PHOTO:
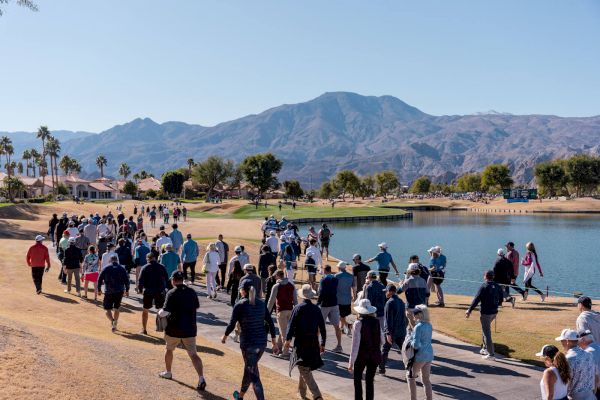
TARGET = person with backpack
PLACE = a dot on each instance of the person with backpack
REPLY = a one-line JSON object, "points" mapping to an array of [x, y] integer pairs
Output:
{"points": [[415, 290], [283, 298], [490, 297]]}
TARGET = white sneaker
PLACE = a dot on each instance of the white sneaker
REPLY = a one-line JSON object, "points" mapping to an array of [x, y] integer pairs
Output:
{"points": [[338, 349], [543, 298], [483, 352], [235, 337], [488, 357], [165, 375], [114, 326]]}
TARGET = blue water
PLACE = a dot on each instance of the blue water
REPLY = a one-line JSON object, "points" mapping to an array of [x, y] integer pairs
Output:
{"points": [[567, 245]]}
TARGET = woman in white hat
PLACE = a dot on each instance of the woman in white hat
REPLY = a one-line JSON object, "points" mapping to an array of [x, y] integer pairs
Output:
{"points": [[366, 349], [557, 375], [211, 265], [420, 340]]}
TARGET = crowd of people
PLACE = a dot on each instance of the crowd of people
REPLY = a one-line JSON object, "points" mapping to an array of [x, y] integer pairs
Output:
{"points": [[114, 252]]}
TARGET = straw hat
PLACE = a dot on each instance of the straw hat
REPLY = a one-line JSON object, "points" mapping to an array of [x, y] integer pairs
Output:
{"points": [[364, 307]]}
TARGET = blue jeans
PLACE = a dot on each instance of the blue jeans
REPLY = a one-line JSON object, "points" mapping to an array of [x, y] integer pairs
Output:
{"points": [[252, 355]]}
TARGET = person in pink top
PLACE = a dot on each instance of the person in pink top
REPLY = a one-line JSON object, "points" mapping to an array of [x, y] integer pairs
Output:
{"points": [[531, 263], [513, 256]]}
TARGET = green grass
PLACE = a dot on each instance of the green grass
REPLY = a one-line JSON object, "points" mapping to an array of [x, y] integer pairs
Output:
{"points": [[249, 212], [5, 204], [204, 214]]}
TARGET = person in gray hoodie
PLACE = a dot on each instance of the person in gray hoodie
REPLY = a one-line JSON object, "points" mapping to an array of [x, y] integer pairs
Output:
{"points": [[588, 319]]}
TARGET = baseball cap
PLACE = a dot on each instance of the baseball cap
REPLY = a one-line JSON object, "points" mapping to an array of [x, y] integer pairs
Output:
{"points": [[383, 245], [547, 351], [412, 267], [248, 267], [342, 265], [568, 334], [237, 249], [72, 240], [583, 333], [177, 275], [500, 252], [355, 256], [585, 301], [39, 238]]}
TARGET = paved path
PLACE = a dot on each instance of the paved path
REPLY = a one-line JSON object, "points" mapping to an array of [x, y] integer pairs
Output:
{"points": [[458, 372]]}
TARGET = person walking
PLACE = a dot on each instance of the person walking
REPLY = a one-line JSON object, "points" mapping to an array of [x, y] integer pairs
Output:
{"points": [[170, 260], [265, 260], [62, 246], [583, 380], [305, 326], [588, 319], [502, 276], [531, 263], [416, 291], [374, 291], [327, 301], [490, 297], [344, 296], [556, 376], [513, 256], [437, 270], [394, 325], [273, 242], [365, 355], [211, 266], [141, 250], [587, 343], [52, 228], [233, 283], [420, 341], [252, 315], [180, 308], [89, 271], [73, 260], [325, 235], [283, 298], [384, 260], [189, 255], [250, 275], [117, 285], [37, 259], [176, 238], [223, 249], [359, 270], [152, 284]]}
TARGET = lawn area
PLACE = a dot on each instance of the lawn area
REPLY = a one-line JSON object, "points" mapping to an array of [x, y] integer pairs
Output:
{"points": [[5, 204], [204, 214], [305, 211]]}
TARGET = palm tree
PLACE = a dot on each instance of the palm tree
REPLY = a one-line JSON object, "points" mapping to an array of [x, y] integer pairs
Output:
{"points": [[124, 170], [26, 157], [43, 133], [143, 174], [65, 164], [35, 156], [101, 163], [20, 168], [190, 163], [53, 149], [4, 142], [136, 177]]}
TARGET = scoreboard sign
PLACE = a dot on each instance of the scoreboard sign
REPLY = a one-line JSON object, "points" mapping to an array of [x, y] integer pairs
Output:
{"points": [[519, 195]]}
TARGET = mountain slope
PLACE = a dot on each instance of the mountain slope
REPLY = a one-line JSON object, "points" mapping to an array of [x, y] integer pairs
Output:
{"points": [[346, 130]]}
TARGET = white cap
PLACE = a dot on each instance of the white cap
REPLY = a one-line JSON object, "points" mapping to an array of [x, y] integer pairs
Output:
{"points": [[412, 267], [237, 249], [39, 238], [433, 250], [438, 249], [383, 245], [272, 233], [568, 334], [500, 252], [72, 240], [342, 265]]}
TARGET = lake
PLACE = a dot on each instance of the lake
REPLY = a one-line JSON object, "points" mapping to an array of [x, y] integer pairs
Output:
{"points": [[566, 245]]}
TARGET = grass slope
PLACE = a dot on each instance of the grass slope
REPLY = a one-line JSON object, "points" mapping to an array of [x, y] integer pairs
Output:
{"points": [[250, 212]]}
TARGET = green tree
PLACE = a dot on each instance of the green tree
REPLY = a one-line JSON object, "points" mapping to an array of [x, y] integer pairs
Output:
{"points": [[469, 183], [386, 182], [62, 189], [212, 172], [235, 180], [151, 193], [260, 171], [496, 177], [13, 186], [551, 177], [346, 181], [53, 150], [583, 172], [23, 3], [190, 164], [293, 189], [130, 188], [421, 185], [69, 165], [20, 168], [26, 157], [43, 134], [326, 190], [124, 170], [367, 186], [101, 162], [35, 157], [172, 182]]}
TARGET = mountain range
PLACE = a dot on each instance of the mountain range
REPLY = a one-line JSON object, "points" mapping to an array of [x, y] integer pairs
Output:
{"points": [[341, 130]]}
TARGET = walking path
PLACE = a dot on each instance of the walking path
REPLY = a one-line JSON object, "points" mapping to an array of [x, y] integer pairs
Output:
{"points": [[458, 372]]}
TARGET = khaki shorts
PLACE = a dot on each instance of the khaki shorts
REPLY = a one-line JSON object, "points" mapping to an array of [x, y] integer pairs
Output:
{"points": [[188, 343]]}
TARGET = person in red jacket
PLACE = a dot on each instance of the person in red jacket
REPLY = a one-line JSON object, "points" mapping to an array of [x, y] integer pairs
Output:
{"points": [[38, 258]]}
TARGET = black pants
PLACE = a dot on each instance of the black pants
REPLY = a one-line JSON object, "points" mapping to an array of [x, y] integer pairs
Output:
{"points": [[385, 350], [529, 285], [517, 289], [383, 277], [192, 267], [221, 278], [37, 273], [359, 367]]}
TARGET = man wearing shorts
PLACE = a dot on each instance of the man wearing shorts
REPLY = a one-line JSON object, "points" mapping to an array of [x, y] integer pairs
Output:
{"points": [[180, 308], [344, 295], [325, 235], [116, 283], [152, 283], [329, 305]]}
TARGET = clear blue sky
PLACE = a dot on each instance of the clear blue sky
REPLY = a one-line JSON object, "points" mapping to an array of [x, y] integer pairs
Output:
{"points": [[88, 65]]}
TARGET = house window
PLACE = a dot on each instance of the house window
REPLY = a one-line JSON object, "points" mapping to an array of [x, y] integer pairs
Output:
{"points": [[94, 195]]}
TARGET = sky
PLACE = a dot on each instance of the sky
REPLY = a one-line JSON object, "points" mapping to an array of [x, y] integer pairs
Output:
{"points": [[89, 65]]}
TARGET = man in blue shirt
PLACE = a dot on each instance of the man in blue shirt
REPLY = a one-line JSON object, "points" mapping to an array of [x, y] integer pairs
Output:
{"points": [[437, 269], [384, 260], [176, 238], [190, 255], [117, 284], [329, 305], [170, 260], [344, 295]]}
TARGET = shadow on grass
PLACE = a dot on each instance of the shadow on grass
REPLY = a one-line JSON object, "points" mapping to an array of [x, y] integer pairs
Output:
{"points": [[60, 299], [160, 342], [203, 395]]}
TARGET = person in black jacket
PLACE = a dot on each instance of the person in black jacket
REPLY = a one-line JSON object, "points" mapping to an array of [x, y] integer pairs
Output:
{"points": [[152, 283], [180, 309], [125, 254], [265, 260], [72, 263], [52, 229], [394, 325], [490, 297], [306, 323], [117, 284], [62, 224], [503, 272]]}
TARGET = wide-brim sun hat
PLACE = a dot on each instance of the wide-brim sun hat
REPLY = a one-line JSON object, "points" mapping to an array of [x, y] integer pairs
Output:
{"points": [[364, 307], [412, 267], [306, 292]]}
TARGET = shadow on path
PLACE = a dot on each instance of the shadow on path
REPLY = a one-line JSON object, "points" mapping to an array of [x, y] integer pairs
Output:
{"points": [[459, 392], [60, 299], [160, 342]]}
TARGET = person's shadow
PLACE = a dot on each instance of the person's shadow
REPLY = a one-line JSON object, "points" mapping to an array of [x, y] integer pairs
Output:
{"points": [[203, 395], [60, 299]]}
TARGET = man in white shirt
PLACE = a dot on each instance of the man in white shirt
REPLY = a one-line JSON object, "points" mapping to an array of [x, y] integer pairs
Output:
{"points": [[317, 253], [106, 257], [89, 231], [73, 231], [273, 242], [164, 239]]}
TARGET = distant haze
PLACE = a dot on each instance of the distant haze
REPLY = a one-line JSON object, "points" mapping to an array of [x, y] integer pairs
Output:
{"points": [[341, 130]]}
